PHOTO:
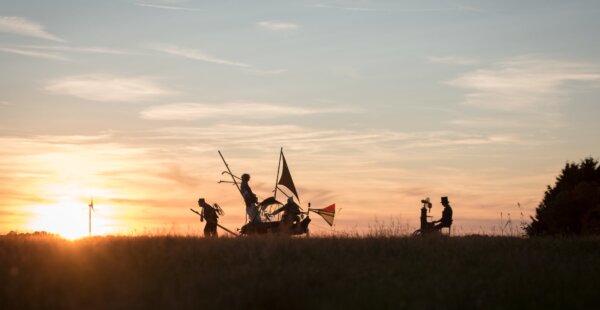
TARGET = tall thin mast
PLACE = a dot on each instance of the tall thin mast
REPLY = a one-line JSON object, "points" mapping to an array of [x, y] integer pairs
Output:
{"points": [[277, 179], [90, 208], [277, 176]]}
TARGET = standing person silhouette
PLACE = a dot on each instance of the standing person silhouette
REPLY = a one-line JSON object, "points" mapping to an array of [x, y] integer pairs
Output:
{"points": [[250, 199], [210, 214], [446, 220]]}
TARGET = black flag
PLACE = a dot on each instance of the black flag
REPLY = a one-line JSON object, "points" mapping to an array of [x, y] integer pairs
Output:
{"points": [[286, 178]]}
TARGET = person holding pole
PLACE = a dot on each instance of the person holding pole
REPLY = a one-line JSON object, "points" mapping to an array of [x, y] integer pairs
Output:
{"points": [[210, 214]]}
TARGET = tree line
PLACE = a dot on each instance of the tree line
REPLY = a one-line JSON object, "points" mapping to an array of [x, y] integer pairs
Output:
{"points": [[572, 205]]}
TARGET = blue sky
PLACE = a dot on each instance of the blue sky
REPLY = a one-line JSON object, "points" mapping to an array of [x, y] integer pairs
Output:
{"points": [[377, 104]]}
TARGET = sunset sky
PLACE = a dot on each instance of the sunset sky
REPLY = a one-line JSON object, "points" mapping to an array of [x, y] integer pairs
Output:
{"points": [[377, 104]]}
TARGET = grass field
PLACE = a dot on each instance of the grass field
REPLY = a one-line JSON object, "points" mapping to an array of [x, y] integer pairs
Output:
{"points": [[299, 273]]}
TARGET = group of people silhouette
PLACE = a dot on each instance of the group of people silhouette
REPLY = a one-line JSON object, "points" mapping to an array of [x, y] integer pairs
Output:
{"points": [[435, 226], [211, 213]]}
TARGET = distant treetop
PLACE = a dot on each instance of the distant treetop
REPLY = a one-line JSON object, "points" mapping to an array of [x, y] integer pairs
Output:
{"points": [[572, 206]]}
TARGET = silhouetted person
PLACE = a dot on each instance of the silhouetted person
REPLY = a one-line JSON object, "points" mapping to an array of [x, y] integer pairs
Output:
{"points": [[446, 220], [210, 214], [291, 211], [250, 199]]}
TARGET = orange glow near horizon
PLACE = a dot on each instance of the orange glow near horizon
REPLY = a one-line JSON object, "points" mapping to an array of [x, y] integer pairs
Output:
{"points": [[140, 191], [68, 219], [68, 216]]}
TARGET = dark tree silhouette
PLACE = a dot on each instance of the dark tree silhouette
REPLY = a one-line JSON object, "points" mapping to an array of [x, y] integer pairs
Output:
{"points": [[572, 206]]}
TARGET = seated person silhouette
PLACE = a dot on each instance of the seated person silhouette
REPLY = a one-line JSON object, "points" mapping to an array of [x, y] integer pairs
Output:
{"points": [[291, 212], [446, 220]]}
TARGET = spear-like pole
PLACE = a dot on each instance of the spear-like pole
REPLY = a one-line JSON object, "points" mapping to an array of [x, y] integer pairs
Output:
{"points": [[230, 173], [216, 223], [233, 178], [90, 208]]}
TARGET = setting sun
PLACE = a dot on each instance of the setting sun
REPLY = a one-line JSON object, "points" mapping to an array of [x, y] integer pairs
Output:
{"points": [[69, 219]]}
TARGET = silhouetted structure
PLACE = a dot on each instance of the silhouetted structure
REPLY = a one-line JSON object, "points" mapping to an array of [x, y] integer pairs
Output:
{"points": [[572, 206], [425, 225], [262, 220], [428, 228], [90, 209], [211, 214]]}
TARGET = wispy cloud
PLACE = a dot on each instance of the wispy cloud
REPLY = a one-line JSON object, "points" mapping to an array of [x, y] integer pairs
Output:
{"points": [[318, 140], [34, 54], [457, 139], [523, 83], [278, 25], [487, 122], [398, 7], [78, 49], [195, 54], [455, 8], [359, 9], [266, 72], [452, 60], [22, 26], [166, 7], [346, 8], [546, 120], [241, 109], [57, 52], [97, 87]]}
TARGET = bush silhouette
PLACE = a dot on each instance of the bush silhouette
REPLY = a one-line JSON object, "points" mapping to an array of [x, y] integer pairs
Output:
{"points": [[572, 206]]}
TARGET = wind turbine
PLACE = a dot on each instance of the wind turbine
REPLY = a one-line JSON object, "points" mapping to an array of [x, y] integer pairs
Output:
{"points": [[90, 209]]}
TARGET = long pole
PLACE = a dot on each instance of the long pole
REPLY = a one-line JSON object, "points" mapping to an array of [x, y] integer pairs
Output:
{"points": [[90, 206], [277, 177], [230, 173], [222, 227], [234, 180]]}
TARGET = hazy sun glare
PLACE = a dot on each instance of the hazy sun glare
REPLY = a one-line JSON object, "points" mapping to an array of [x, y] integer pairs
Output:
{"points": [[68, 219]]}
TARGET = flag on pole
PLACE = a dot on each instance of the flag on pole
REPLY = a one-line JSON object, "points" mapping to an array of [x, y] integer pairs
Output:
{"points": [[286, 178], [327, 213]]}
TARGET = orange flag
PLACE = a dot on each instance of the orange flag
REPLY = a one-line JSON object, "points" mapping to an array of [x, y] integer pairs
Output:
{"points": [[327, 213]]}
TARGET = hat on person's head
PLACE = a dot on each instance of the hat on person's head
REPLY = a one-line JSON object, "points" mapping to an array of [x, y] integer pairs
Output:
{"points": [[445, 200], [200, 199]]}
